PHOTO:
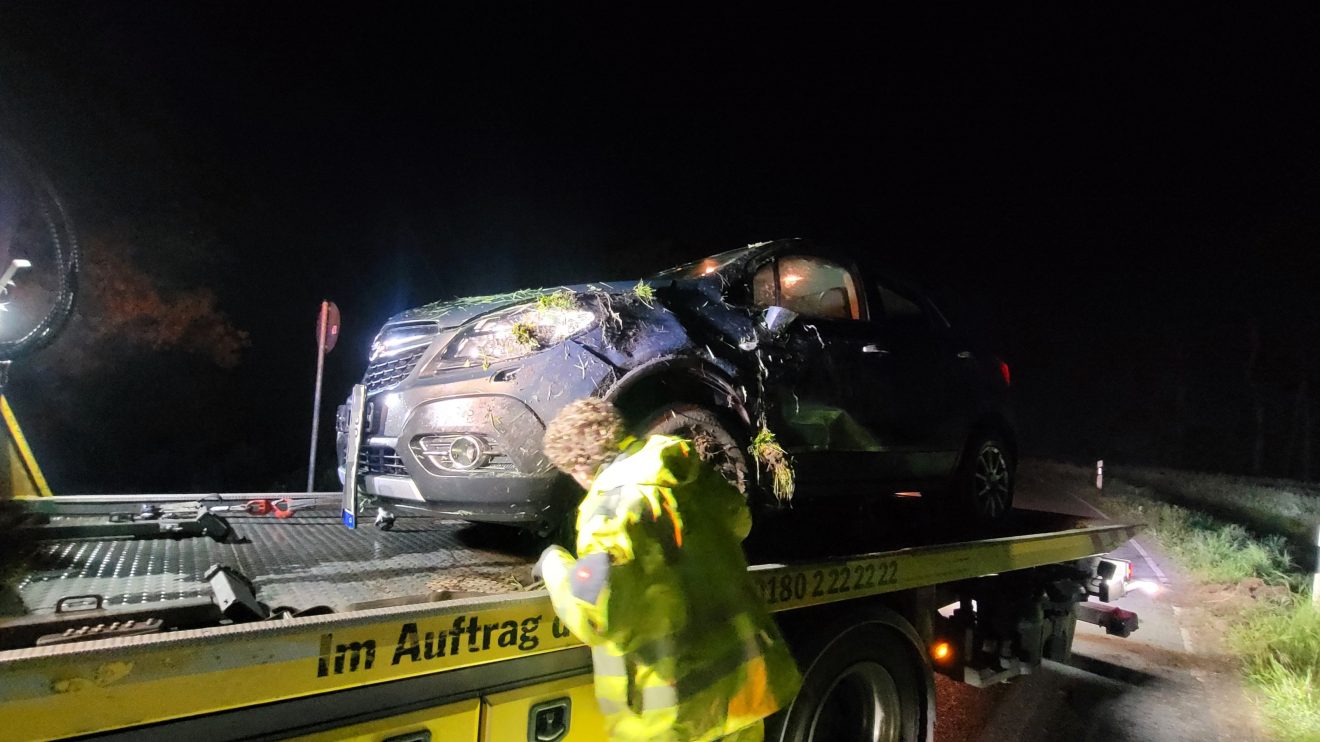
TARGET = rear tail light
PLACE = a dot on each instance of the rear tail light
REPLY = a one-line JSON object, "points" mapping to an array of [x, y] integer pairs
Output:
{"points": [[1004, 372]]}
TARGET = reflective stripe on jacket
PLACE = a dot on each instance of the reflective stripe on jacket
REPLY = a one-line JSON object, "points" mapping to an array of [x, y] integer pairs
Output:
{"points": [[683, 646]]}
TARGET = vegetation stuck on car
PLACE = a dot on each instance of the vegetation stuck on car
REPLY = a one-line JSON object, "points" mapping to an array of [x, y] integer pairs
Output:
{"points": [[524, 333], [644, 292], [770, 455], [562, 299]]}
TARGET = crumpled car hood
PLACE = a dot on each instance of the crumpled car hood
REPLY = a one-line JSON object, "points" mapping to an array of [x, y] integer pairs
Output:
{"points": [[457, 312]]}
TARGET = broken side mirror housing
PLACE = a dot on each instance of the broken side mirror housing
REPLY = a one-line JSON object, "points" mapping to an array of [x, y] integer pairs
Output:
{"points": [[775, 320]]}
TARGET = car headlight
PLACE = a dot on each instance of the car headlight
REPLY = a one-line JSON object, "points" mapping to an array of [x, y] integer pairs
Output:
{"points": [[512, 333]]}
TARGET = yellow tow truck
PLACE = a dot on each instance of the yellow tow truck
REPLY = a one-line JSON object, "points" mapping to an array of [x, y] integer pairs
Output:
{"points": [[135, 622]]}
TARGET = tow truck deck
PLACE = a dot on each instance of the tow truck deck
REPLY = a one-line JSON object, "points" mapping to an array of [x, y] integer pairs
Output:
{"points": [[310, 560], [428, 627]]}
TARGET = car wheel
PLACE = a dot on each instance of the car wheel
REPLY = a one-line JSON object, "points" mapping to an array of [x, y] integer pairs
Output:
{"points": [[710, 435], [986, 480]]}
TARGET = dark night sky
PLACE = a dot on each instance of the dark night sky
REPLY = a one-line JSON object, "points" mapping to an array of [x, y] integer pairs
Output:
{"points": [[1091, 185]]}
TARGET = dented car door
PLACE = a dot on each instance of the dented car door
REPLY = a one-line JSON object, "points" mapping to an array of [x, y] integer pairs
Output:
{"points": [[831, 394]]}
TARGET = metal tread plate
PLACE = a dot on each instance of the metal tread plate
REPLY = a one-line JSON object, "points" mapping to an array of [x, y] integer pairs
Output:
{"points": [[300, 562]]}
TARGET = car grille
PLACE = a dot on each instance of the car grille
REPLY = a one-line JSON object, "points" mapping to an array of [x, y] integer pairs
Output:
{"points": [[387, 373], [380, 460], [436, 448]]}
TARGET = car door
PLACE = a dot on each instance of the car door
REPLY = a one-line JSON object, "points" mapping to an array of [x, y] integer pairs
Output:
{"points": [[827, 372], [927, 401]]}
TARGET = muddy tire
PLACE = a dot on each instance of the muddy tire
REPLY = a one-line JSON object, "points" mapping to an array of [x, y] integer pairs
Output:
{"points": [[710, 434], [986, 479]]}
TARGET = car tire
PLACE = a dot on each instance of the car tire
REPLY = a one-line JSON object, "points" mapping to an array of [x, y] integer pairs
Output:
{"points": [[711, 435], [859, 682], [986, 479]]}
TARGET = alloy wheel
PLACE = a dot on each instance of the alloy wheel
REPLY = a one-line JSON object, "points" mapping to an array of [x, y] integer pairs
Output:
{"points": [[992, 482]]}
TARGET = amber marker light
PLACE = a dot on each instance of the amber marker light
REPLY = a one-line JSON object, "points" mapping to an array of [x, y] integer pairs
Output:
{"points": [[941, 651]]}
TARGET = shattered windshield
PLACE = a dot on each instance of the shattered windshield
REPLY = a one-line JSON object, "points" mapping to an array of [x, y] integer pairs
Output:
{"points": [[706, 266]]}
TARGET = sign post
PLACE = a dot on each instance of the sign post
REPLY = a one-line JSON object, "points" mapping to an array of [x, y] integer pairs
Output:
{"points": [[327, 334]]}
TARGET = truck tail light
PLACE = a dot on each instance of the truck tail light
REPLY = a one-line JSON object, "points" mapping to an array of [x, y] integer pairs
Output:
{"points": [[1004, 372]]}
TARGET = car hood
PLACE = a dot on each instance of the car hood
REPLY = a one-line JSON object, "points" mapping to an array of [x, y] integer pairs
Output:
{"points": [[457, 312]]}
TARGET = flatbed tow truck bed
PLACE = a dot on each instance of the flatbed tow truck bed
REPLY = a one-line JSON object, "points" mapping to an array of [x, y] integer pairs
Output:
{"points": [[304, 561], [428, 631]]}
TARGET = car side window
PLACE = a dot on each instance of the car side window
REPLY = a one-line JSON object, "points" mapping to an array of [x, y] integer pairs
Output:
{"points": [[902, 311], [813, 287]]}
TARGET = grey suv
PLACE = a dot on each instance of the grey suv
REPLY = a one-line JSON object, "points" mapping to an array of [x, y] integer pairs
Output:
{"points": [[799, 372]]}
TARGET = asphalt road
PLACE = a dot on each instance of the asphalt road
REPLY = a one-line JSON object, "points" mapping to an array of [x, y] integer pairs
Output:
{"points": [[1163, 683]]}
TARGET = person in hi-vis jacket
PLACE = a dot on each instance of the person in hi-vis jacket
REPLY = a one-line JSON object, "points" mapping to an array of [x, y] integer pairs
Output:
{"points": [[682, 644]]}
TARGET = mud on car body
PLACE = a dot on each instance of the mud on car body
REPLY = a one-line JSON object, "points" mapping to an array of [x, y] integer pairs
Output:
{"points": [[780, 356]]}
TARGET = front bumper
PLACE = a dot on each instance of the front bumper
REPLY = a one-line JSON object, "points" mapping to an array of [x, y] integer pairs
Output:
{"points": [[402, 459], [408, 466], [508, 499]]}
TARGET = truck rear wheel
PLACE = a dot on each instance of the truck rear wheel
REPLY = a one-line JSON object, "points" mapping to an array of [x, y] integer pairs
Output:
{"points": [[860, 683]]}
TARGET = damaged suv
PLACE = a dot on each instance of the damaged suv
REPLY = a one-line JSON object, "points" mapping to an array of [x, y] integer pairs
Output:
{"points": [[798, 372]]}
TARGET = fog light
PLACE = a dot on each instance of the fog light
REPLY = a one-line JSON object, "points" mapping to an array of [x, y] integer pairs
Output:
{"points": [[465, 452]]}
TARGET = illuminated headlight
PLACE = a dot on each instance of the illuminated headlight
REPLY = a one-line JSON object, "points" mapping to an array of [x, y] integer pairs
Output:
{"points": [[511, 333], [392, 341], [465, 452]]}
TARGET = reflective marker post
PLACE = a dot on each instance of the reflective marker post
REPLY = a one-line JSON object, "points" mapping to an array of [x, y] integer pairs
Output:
{"points": [[1315, 579]]}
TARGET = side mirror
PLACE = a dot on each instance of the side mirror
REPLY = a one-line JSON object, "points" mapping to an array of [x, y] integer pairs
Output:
{"points": [[775, 320]]}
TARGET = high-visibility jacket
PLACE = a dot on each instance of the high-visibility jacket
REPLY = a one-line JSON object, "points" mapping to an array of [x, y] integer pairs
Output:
{"points": [[682, 644]]}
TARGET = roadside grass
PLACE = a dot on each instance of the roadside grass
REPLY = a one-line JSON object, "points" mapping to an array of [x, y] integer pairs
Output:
{"points": [[1210, 549], [1281, 652], [1277, 641], [1265, 506]]}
